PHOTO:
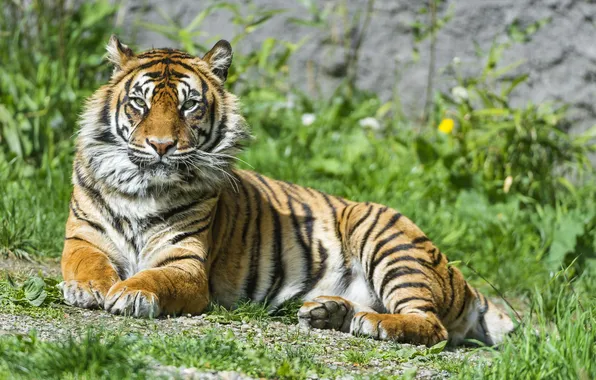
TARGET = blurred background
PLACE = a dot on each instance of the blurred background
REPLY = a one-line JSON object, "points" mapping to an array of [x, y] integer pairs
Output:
{"points": [[474, 118]]}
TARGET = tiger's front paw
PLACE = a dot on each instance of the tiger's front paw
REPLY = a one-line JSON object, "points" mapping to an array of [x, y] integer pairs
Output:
{"points": [[124, 299], [85, 294]]}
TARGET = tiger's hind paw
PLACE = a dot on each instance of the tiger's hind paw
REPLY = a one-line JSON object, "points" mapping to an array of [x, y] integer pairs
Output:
{"points": [[326, 312], [403, 328]]}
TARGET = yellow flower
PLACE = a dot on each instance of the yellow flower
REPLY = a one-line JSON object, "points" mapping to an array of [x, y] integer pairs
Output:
{"points": [[446, 126]]}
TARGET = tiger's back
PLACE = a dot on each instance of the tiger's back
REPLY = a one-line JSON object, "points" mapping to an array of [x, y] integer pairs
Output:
{"points": [[161, 222]]}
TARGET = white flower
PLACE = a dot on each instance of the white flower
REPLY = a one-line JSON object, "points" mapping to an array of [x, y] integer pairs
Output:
{"points": [[308, 119], [370, 122], [460, 94]]}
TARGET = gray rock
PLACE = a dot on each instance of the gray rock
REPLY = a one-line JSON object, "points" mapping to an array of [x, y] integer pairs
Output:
{"points": [[560, 57]]}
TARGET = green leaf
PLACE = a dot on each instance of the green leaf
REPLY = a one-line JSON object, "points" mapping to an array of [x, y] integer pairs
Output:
{"points": [[569, 227], [437, 348], [265, 52], [34, 289], [427, 154]]}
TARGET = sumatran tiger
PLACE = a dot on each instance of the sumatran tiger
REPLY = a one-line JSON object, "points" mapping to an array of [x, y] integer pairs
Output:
{"points": [[161, 223]]}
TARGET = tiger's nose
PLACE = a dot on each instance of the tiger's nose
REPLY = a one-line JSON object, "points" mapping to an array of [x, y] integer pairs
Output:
{"points": [[162, 146]]}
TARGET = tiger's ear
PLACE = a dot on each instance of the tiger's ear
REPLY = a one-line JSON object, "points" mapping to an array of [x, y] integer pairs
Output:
{"points": [[118, 53], [219, 59]]}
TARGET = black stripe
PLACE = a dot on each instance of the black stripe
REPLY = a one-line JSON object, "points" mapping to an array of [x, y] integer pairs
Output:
{"points": [[427, 308], [117, 117], [333, 214], [278, 270], [360, 221], [170, 260], [168, 214], [336, 226], [309, 223], [104, 117], [369, 231], [264, 182], [82, 240], [221, 131], [482, 300], [410, 258], [232, 221], [437, 259], [247, 214], [463, 304], [380, 244], [253, 274], [176, 74], [177, 210], [394, 273], [190, 222], [420, 239], [89, 222], [106, 136], [448, 308], [389, 224], [323, 254], [409, 285], [341, 200], [410, 299], [164, 61], [306, 250], [377, 260], [178, 238]]}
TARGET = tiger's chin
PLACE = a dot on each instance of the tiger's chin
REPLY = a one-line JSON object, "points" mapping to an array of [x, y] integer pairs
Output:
{"points": [[161, 171], [153, 179]]}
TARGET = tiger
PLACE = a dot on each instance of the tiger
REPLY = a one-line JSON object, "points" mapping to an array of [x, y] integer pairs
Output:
{"points": [[162, 223]]}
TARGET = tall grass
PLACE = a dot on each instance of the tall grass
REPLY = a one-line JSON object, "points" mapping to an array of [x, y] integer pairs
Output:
{"points": [[558, 347], [51, 54]]}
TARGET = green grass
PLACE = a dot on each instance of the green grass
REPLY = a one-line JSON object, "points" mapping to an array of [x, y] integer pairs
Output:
{"points": [[87, 358], [563, 347], [103, 354]]}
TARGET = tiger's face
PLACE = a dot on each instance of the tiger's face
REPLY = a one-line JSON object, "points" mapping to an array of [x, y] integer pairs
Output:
{"points": [[164, 120]]}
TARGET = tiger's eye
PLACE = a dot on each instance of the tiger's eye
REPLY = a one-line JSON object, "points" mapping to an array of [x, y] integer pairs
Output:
{"points": [[139, 102], [189, 105]]}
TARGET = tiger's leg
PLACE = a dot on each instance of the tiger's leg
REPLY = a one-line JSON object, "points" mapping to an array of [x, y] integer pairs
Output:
{"points": [[409, 279], [329, 312], [88, 274], [176, 285]]}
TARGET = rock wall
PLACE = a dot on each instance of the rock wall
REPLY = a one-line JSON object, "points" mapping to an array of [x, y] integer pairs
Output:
{"points": [[560, 57]]}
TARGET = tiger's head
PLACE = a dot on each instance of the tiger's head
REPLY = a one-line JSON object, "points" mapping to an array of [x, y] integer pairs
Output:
{"points": [[163, 120]]}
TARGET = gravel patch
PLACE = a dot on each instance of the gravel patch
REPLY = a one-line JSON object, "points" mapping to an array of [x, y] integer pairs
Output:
{"points": [[331, 348]]}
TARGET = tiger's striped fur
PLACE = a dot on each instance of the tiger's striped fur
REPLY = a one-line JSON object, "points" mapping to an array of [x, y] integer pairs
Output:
{"points": [[161, 223]]}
